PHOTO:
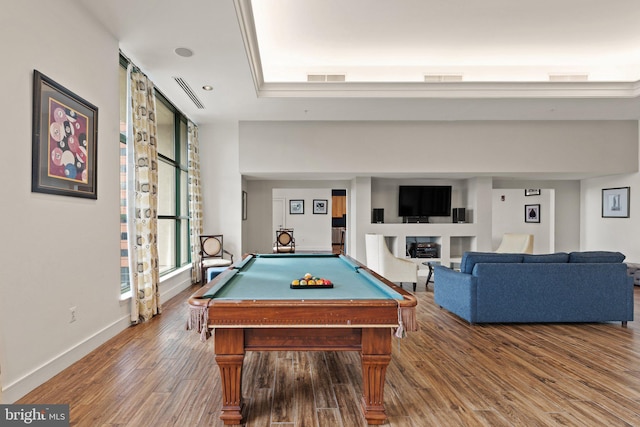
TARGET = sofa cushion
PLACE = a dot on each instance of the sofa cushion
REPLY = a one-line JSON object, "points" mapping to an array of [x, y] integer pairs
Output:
{"points": [[596, 256], [470, 259], [558, 257]]}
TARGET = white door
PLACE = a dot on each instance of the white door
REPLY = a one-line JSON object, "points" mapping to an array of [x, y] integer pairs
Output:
{"points": [[278, 216]]}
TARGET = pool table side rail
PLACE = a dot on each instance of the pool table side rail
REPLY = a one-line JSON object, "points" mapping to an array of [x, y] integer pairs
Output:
{"points": [[205, 312]]}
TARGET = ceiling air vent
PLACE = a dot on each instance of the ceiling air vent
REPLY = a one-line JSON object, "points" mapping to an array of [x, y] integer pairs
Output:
{"points": [[568, 77], [326, 77], [433, 78], [187, 89]]}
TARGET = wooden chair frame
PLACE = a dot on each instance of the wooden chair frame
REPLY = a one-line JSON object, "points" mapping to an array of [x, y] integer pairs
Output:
{"points": [[212, 247], [285, 240]]}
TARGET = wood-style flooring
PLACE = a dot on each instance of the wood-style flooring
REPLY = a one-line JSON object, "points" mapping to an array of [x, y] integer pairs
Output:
{"points": [[448, 374]]}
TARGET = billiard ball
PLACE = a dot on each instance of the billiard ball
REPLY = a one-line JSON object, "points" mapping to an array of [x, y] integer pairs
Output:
{"points": [[56, 156], [56, 131], [70, 171]]}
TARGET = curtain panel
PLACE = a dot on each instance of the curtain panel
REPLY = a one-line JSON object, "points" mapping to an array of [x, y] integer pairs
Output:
{"points": [[195, 202], [142, 194]]}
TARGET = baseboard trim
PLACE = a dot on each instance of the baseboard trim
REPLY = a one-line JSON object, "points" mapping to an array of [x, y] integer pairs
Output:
{"points": [[173, 289], [57, 364], [48, 370]]}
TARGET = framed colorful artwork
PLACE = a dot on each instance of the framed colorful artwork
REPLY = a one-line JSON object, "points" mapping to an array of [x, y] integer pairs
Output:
{"points": [[65, 141]]}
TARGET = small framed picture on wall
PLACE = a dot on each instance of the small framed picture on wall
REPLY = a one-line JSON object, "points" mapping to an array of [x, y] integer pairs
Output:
{"points": [[615, 202], [320, 206], [296, 207], [531, 213]]}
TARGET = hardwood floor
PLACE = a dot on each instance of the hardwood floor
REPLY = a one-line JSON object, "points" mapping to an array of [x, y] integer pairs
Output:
{"points": [[447, 374]]}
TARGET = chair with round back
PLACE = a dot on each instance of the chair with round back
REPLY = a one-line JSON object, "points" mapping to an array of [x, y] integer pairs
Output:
{"points": [[212, 253], [285, 243]]}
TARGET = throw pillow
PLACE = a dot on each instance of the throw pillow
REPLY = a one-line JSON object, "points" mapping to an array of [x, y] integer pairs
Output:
{"points": [[558, 257], [596, 256], [470, 259]]}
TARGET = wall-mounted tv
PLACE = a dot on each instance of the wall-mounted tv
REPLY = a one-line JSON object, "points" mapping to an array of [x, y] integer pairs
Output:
{"points": [[424, 200]]}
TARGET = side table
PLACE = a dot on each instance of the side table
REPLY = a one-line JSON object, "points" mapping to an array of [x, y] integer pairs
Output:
{"points": [[430, 265]]}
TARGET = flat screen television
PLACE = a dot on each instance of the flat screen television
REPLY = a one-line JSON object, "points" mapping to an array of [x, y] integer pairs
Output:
{"points": [[424, 200]]}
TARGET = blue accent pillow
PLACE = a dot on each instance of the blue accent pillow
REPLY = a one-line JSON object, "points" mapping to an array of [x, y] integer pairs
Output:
{"points": [[470, 259], [596, 256], [558, 257]]}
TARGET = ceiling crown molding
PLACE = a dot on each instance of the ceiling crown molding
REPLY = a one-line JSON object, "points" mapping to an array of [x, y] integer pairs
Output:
{"points": [[492, 90]]}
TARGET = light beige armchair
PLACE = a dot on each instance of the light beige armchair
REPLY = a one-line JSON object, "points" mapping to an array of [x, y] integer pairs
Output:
{"points": [[516, 243], [382, 261]]}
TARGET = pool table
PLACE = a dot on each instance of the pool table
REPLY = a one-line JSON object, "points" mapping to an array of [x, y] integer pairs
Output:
{"points": [[252, 306]]}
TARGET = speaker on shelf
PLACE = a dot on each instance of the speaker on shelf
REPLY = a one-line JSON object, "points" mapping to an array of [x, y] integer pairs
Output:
{"points": [[377, 216], [459, 215]]}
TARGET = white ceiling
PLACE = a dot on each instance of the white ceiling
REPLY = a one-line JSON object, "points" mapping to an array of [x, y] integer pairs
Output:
{"points": [[485, 40], [504, 48]]}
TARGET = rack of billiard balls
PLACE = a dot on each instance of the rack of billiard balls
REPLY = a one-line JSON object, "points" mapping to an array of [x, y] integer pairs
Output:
{"points": [[310, 281]]}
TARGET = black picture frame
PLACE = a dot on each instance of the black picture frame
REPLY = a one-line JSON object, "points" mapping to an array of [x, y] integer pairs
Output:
{"points": [[615, 202], [532, 213], [296, 207], [532, 192], [64, 141], [320, 206]]}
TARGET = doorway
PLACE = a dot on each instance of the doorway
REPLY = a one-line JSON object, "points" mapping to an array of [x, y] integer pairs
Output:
{"points": [[338, 220]]}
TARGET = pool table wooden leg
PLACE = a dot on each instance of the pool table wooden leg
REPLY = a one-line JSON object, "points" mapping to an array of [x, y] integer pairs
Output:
{"points": [[229, 349], [376, 354]]}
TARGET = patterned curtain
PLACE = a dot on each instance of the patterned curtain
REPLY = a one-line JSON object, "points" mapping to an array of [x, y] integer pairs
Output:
{"points": [[195, 202], [143, 200]]}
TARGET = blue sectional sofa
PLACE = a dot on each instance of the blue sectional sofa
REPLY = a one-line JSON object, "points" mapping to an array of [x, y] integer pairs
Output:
{"points": [[521, 288]]}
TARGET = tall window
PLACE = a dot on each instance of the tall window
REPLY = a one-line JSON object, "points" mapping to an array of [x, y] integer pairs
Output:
{"points": [[125, 285], [173, 208], [173, 205]]}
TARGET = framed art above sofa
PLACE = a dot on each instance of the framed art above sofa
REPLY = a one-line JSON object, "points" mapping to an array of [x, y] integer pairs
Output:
{"points": [[615, 202]]}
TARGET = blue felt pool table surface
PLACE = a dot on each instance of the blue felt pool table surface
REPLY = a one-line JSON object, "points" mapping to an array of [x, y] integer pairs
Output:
{"points": [[269, 276]]}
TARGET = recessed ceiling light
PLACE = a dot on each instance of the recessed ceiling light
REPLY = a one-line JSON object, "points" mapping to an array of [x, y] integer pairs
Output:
{"points": [[184, 52], [207, 87]]}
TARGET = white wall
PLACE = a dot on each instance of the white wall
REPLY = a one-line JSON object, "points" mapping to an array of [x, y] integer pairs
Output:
{"points": [[508, 217], [615, 234], [567, 208], [258, 235], [472, 148], [59, 252], [312, 232], [483, 149], [222, 184]]}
